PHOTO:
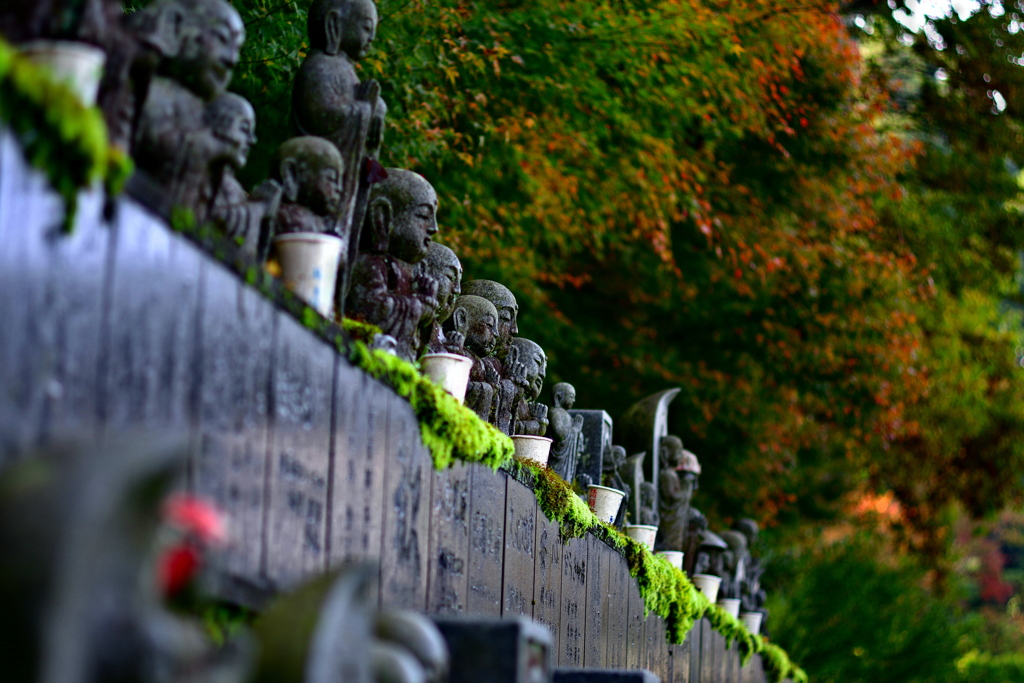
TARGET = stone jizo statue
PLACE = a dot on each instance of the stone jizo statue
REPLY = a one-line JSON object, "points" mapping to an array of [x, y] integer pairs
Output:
{"points": [[199, 42], [386, 291], [248, 220], [752, 595], [735, 562], [442, 265], [531, 417], [649, 504], [675, 491], [510, 371], [566, 431], [309, 170], [476, 320], [613, 461], [329, 101]]}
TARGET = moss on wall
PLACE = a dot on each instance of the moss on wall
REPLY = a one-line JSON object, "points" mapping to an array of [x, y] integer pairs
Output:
{"points": [[59, 135]]}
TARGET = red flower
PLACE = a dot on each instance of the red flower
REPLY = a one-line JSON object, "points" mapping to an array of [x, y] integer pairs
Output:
{"points": [[195, 517], [176, 568]]}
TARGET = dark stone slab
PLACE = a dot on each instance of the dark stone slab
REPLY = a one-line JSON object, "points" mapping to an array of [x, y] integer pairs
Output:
{"points": [[654, 636], [568, 675], [575, 572], [236, 327], [755, 670], [547, 593], [514, 650], [149, 368], [597, 437], [360, 465], [403, 579], [301, 393], [520, 547], [596, 633], [486, 541], [708, 655], [617, 613], [696, 650], [636, 657], [681, 661], [449, 541]]}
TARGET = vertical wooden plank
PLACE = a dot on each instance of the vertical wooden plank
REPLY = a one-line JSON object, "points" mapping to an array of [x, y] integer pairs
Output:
{"points": [[547, 603], [403, 581], [449, 541], [756, 665], [574, 602], [681, 662], [635, 650], [236, 334], [617, 619], [150, 378], [651, 634], [595, 636], [486, 541], [520, 539], [360, 464], [297, 469]]}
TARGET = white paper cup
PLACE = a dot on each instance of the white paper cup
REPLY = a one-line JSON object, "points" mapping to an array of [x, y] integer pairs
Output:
{"points": [[449, 371], [730, 605], [642, 533], [675, 557], [79, 66], [752, 620], [708, 585], [309, 266], [604, 502], [535, 448]]}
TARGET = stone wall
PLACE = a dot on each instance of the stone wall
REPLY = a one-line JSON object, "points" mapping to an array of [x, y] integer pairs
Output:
{"points": [[126, 325]]}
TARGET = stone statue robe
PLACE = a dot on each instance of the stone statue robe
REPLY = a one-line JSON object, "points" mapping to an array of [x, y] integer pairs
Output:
{"points": [[382, 294]]}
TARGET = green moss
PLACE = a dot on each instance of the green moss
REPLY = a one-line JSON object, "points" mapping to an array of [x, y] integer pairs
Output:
{"points": [[357, 329], [777, 665], [449, 430], [58, 134]]}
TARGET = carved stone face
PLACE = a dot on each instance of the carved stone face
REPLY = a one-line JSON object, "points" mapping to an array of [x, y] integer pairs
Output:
{"points": [[671, 452], [477, 319], [413, 207], [443, 266], [508, 310], [532, 356], [564, 394], [232, 119], [359, 28], [210, 35], [310, 170]]}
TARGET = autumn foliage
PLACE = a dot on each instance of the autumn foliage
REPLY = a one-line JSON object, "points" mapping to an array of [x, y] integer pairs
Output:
{"points": [[703, 195]]}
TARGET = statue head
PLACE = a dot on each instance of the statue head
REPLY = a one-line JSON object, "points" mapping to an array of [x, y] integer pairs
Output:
{"points": [[697, 522], [475, 318], [748, 528], [199, 41], [615, 458], [405, 205], [648, 494], [231, 119], [508, 310], [309, 170], [443, 265], [532, 356], [342, 26], [564, 395], [671, 452], [736, 541]]}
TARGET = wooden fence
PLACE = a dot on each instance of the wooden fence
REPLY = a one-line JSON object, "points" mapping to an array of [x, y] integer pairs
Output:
{"points": [[126, 325]]}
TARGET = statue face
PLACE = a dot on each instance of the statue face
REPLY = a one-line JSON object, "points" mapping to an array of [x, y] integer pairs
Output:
{"points": [[443, 265], [565, 396], [671, 452], [359, 29], [414, 215], [482, 334], [320, 188], [235, 123], [508, 310], [209, 42], [532, 356]]}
